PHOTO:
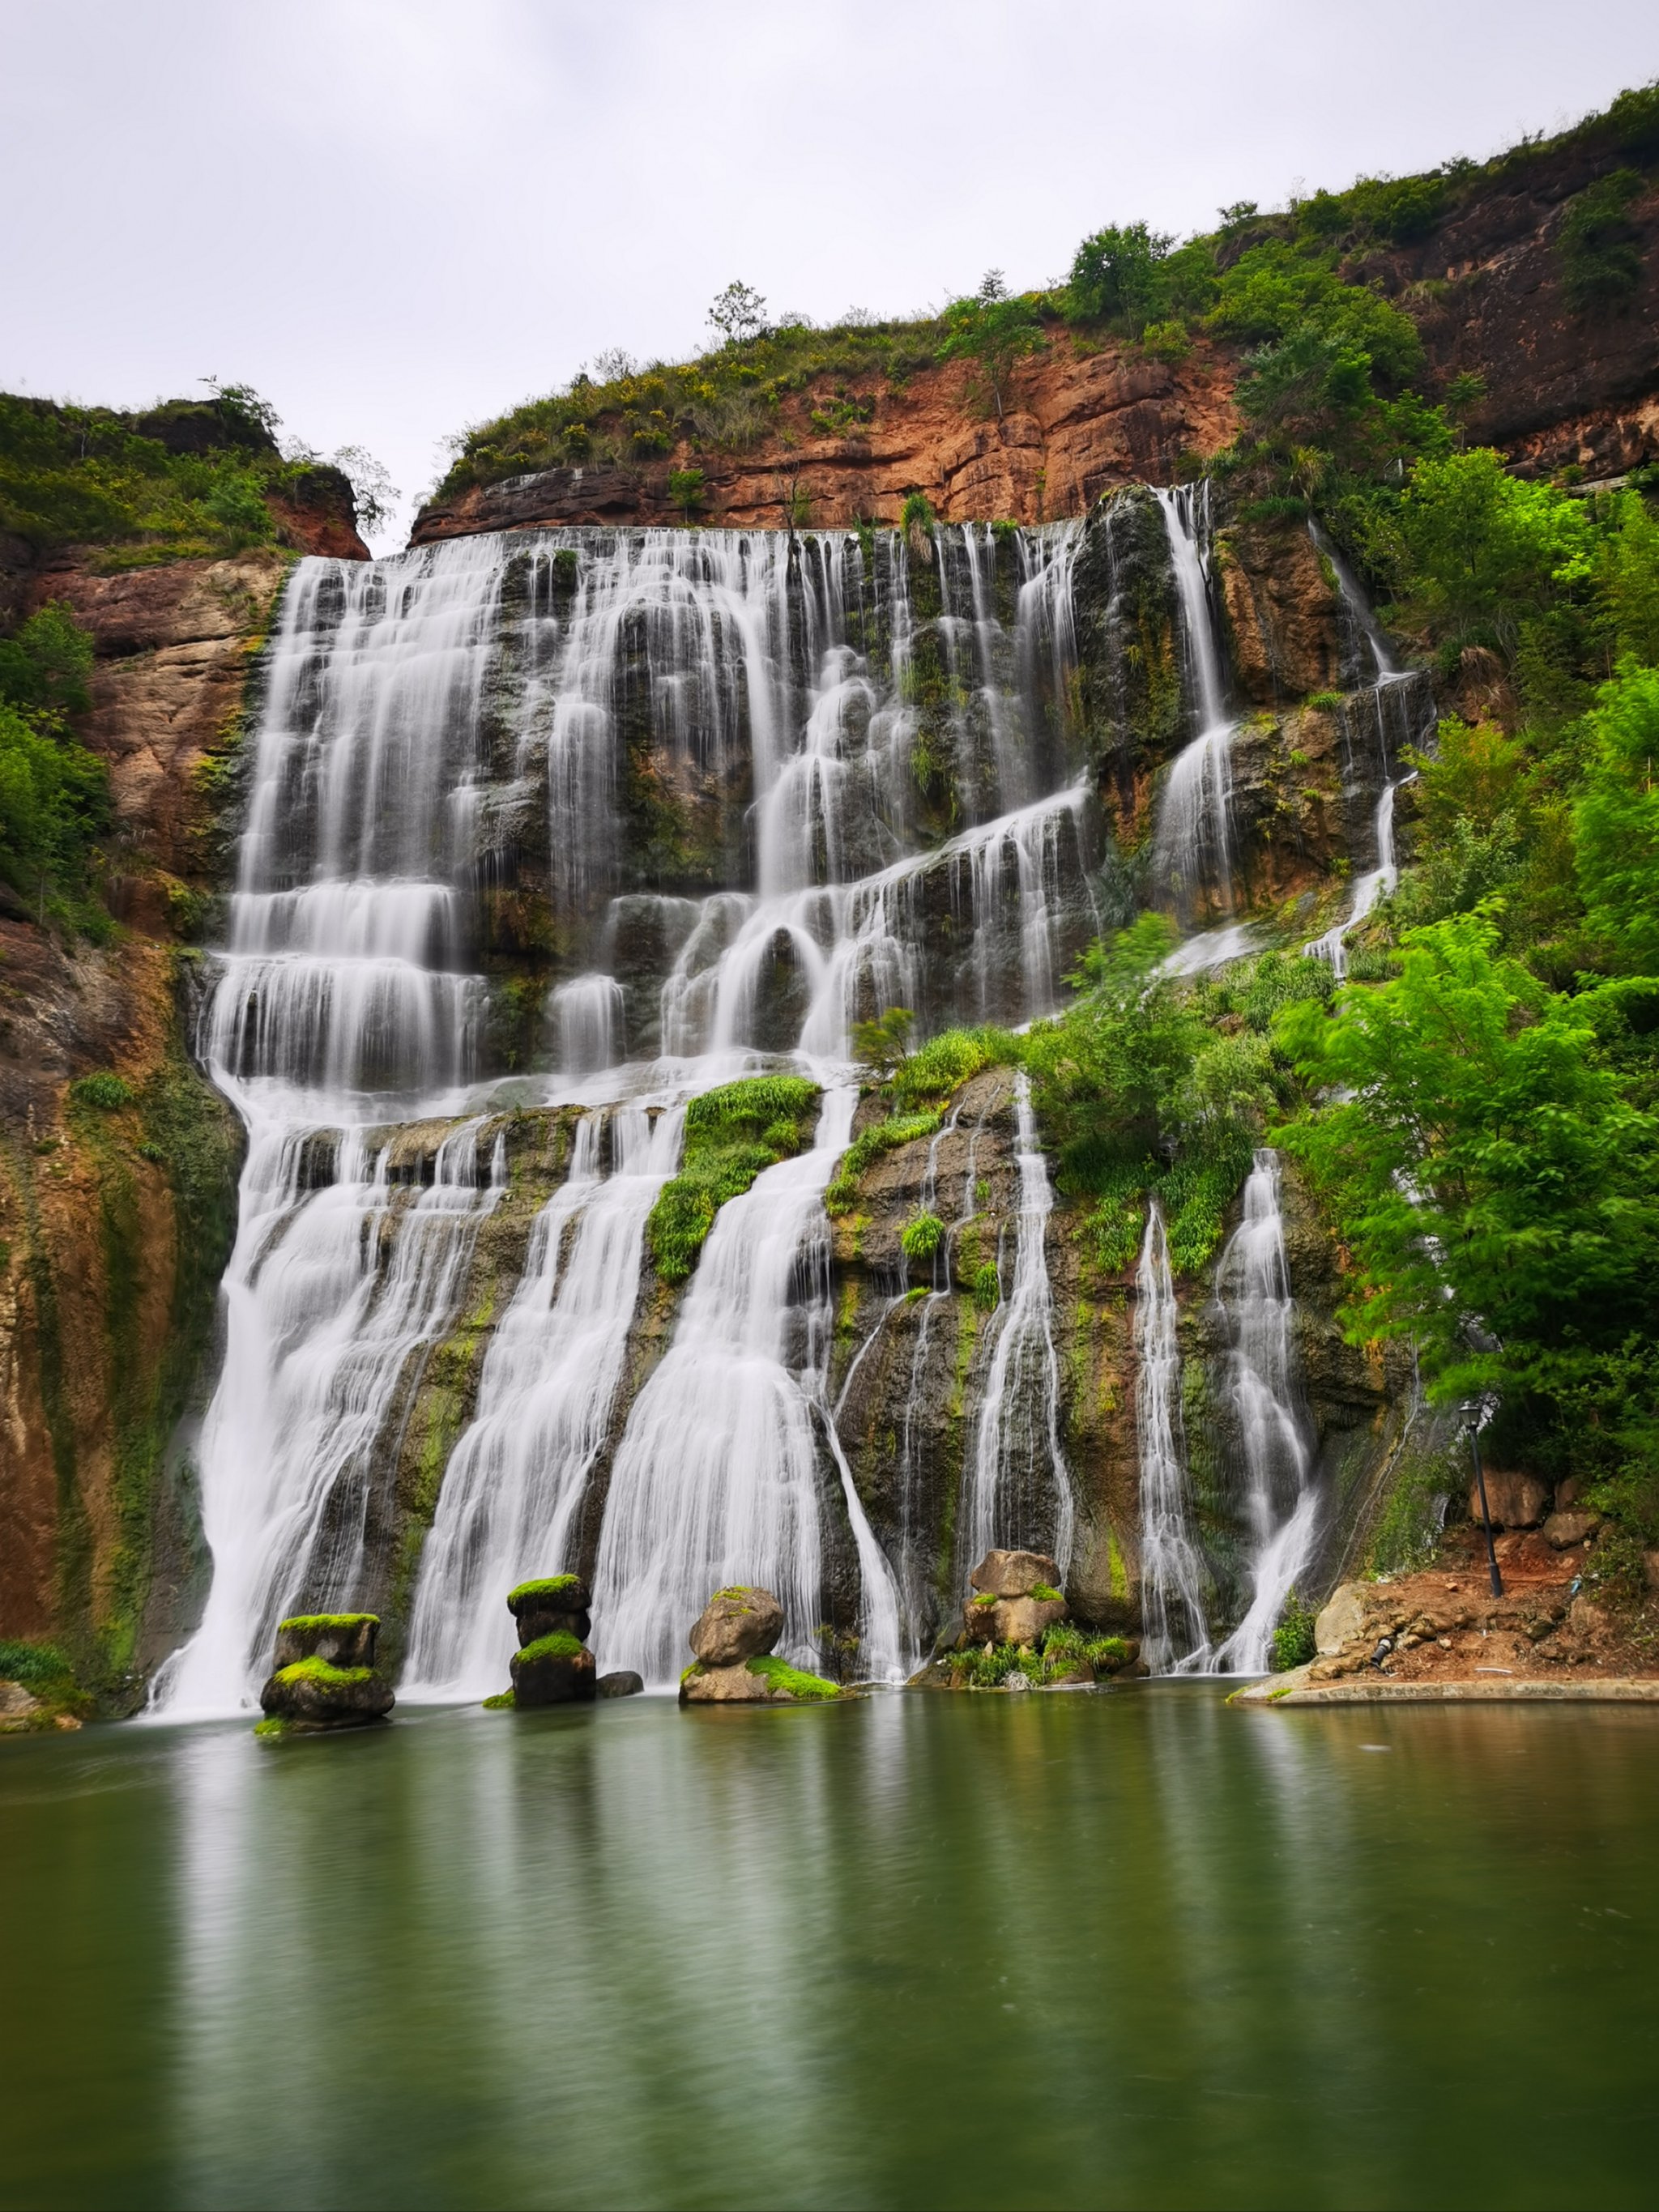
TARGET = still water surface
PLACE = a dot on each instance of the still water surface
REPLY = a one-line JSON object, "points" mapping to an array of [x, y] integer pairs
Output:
{"points": [[1124, 1949]]}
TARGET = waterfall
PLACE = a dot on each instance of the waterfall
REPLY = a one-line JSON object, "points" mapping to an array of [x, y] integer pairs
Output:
{"points": [[546, 1396], [1375, 883], [334, 1294], [1370, 642], [1263, 1396], [1395, 696], [1018, 1488], [674, 774], [718, 1478], [1172, 1576], [1193, 845]]}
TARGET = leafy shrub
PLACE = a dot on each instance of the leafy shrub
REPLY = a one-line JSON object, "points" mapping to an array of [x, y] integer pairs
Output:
{"points": [[688, 490], [106, 1092], [1293, 1641], [1598, 245], [921, 1237], [1166, 341]]}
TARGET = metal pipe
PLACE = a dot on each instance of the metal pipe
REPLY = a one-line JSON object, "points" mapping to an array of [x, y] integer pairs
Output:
{"points": [[1485, 1510]]}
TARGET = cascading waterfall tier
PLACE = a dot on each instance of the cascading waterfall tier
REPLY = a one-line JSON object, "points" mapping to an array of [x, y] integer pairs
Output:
{"points": [[1172, 1576], [1018, 1489], [1194, 847], [730, 792], [1263, 1400]]}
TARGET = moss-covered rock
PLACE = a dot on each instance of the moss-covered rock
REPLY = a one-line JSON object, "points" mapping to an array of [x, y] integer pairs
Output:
{"points": [[554, 1670]]}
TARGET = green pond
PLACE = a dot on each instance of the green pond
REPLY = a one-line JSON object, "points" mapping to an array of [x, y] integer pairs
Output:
{"points": [[1129, 1948]]}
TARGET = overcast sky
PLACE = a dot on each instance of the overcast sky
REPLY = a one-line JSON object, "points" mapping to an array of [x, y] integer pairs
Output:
{"points": [[397, 217]]}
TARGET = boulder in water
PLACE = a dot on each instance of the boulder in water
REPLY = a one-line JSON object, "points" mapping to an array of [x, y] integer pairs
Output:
{"points": [[1015, 1574], [558, 1603], [736, 1624], [735, 1666], [623, 1683], [552, 1665], [556, 1669], [1019, 1598], [324, 1676]]}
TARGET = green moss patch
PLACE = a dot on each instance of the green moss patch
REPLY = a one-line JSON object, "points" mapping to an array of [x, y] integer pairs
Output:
{"points": [[1046, 1593], [561, 1645], [270, 1728], [546, 1592], [318, 1670], [779, 1675], [732, 1135], [502, 1702], [319, 1622]]}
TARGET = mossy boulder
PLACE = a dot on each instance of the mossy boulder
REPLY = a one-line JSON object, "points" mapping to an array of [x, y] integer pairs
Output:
{"points": [[343, 1639], [314, 1693], [736, 1624], [763, 1680], [557, 1604], [556, 1669]]}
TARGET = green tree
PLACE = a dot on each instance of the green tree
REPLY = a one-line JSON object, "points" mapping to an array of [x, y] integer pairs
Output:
{"points": [[996, 329], [1118, 275], [687, 489], [883, 1045], [1616, 819], [1496, 1189], [48, 663], [738, 313], [1599, 247], [1477, 552]]}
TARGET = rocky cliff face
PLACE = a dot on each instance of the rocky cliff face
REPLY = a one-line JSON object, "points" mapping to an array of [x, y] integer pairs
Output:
{"points": [[118, 1197], [1077, 422]]}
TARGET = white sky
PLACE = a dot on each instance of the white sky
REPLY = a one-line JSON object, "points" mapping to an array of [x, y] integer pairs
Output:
{"points": [[396, 217]]}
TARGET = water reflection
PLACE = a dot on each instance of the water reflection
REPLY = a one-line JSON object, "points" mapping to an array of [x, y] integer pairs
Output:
{"points": [[1127, 1949]]}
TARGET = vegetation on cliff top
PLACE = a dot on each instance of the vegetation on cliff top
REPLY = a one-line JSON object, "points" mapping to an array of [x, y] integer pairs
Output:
{"points": [[1331, 369], [188, 478]]}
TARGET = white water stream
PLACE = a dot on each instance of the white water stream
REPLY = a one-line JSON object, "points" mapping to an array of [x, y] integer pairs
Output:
{"points": [[1174, 1634], [1263, 1396], [1019, 1491], [1194, 846]]}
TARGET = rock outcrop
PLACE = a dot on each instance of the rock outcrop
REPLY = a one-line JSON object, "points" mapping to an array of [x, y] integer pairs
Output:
{"points": [[1081, 418]]}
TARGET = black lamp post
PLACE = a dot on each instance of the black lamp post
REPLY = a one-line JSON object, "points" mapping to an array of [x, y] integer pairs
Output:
{"points": [[1474, 1410]]}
